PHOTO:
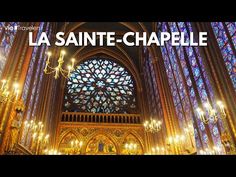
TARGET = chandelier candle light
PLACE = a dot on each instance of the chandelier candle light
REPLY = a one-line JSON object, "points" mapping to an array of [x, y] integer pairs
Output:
{"points": [[189, 130], [51, 152], [152, 126], [76, 146], [6, 95], [211, 151], [58, 69], [158, 150], [176, 143], [211, 113], [131, 148], [38, 139]]}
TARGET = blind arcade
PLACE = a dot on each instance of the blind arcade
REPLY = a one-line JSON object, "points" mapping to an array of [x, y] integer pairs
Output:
{"points": [[129, 39]]}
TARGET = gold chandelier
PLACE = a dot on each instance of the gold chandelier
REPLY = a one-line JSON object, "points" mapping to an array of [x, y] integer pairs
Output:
{"points": [[59, 69], [7, 95], [211, 151], [158, 150], [76, 146], [176, 143], [211, 113], [152, 126], [36, 135], [51, 152], [131, 148], [189, 129]]}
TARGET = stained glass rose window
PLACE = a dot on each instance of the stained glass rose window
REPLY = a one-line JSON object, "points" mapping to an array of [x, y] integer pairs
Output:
{"points": [[100, 86]]}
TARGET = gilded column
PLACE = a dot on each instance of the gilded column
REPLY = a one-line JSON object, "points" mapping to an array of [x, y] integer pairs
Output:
{"points": [[170, 118]]}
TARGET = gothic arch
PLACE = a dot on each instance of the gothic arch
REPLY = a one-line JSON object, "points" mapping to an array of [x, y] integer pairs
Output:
{"points": [[137, 138], [129, 25], [135, 27], [66, 133], [119, 52], [105, 135], [63, 145], [116, 56]]}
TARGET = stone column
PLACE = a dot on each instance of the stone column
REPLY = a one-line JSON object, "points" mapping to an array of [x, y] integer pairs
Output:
{"points": [[170, 117]]}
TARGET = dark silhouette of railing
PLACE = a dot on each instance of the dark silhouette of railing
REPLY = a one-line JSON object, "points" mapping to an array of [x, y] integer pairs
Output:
{"points": [[100, 118]]}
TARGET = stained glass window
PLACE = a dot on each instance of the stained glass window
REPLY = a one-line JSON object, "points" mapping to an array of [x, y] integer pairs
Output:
{"points": [[40, 69], [175, 77], [101, 86], [225, 33], [154, 102], [151, 86], [185, 69], [34, 77], [7, 38], [31, 66], [1, 27]]}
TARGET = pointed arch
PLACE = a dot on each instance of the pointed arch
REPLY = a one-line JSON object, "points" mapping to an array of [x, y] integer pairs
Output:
{"points": [[132, 137], [101, 144]]}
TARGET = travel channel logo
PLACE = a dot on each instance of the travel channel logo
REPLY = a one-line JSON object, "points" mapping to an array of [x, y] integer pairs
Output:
{"points": [[18, 28]]}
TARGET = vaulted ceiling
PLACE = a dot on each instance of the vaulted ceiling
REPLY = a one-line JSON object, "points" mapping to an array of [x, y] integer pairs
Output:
{"points": [[120, 28]]}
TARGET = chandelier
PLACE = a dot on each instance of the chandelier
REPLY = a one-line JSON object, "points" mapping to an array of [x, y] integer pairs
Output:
{"points": [[176, 139], [189, 132], [36, 135], [176, 143], [211, 151], [211, 113], [51, 152], [76, 146], [189, 129], [59, 68], [152, 126], [7, 95], [158, 150], [131, 148]]}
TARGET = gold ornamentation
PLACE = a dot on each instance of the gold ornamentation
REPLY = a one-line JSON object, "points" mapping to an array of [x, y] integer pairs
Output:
{"points": [[131, 146], [35, 136], [84, 132], [93, 131], [59, 69], [65, 145], [118, 133], [228, 146], [211, 114], [76, 146], [152, 126], [7, 95], [14, 132], [101, 145]]}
